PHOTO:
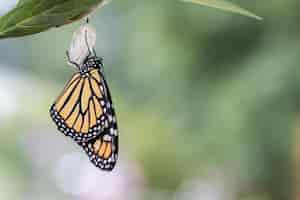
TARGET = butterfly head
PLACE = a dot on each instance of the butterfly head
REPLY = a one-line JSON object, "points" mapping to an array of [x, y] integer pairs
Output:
{"points": [[91, 63]]}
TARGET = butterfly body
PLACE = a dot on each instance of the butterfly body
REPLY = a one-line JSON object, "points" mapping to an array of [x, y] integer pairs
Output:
{"points": [[84, 112]]}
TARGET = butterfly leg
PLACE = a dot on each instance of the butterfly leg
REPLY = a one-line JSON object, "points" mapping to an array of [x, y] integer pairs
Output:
{"points": [[86, 40], [87, 44], [70, 61], [94, 52]]}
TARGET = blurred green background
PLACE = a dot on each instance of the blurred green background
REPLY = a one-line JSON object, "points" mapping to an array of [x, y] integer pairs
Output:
{"points": [[207, 104]]}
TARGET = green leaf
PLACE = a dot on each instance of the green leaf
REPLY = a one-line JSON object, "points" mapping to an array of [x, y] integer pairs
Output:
{"points": [[34, 16], [226, 6]]}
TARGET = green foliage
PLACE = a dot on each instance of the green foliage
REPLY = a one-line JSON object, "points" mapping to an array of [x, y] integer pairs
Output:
{"points": [[203, 98], [226, 6], [34, 16]]}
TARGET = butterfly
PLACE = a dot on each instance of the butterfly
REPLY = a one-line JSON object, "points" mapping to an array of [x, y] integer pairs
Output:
{"points": [[84, 112]]}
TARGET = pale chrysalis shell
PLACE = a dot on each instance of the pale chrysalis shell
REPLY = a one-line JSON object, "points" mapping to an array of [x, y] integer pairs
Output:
{"points": [[83, 42]]}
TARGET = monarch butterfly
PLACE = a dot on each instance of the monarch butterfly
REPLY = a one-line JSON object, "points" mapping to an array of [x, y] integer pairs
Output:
{"points": [[84, 111]]}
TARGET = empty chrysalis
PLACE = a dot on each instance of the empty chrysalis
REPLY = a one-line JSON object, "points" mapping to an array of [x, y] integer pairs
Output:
{"points": [[83, 42]]}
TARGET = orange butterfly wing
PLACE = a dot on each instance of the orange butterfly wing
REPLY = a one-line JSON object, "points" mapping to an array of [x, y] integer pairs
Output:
{"points": [[103, 150], [80, 110]]}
